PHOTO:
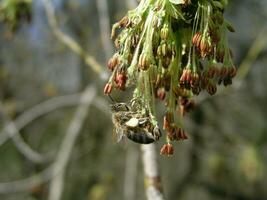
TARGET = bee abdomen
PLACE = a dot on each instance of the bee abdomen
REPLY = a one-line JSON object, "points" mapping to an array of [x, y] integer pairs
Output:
{"points": [[140, 137]]}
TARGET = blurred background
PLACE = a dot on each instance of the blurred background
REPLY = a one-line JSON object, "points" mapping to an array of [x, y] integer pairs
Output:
{"points": [[42, 75]]}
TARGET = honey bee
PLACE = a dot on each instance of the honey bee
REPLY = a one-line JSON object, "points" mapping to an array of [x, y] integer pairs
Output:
{"points": [[133, 125]]}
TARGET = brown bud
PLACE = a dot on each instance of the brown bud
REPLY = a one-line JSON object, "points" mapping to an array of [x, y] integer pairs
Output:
{"points": [[164, 32], [180, 134], [164, 49], [135, 40], [204, 47], [223, 72], [178, 91], [186, 105], [117, 43], [232, 72], [120, 80], [125, 22], [144, 62], [186, 78], [211, 88], [227, 81], [107, 89], [194, 80], [113, 62], [211, 72], [168, 120], [161, 94], [167, 149], [196, 39]]}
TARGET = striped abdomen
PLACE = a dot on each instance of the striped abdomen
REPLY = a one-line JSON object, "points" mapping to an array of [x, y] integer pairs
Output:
{"points": [[140, 137]]}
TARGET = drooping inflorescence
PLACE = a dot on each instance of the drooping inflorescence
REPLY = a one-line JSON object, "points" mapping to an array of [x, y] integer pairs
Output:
{"points": [[13, 12], [170, 50]]}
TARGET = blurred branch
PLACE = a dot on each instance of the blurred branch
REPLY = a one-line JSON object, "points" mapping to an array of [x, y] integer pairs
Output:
{"points": [[70, 42], [253, 53], [35, 112], [256, 48], [44, 108], [152, 177], [104, 24], [57, 184], [26, 184], [24, 148], [131, 171]]}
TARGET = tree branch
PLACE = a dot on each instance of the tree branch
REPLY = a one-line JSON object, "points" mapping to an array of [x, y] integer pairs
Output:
{"points": [[35, 112], [57, 184], [151, 171], [131, 171], [31, 115], [24, 148], [70, 42], [256, 48]]}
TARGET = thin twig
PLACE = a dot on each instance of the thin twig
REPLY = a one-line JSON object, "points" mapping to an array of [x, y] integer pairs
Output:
{"points": [[57, 184], [24, 148], [26, 184], [70, 42], [256, 48], [35, 112], [44, 108]]}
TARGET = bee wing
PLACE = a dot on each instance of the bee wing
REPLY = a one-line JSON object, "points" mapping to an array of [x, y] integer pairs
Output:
{"points": [[119, 135]]}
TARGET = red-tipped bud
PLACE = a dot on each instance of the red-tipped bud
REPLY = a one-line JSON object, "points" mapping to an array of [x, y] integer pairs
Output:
{"points": [[167, 149], [161, 94], [107, 89]]}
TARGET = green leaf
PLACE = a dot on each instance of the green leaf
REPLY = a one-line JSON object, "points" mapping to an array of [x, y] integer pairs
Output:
{"points": [[177, 1]]}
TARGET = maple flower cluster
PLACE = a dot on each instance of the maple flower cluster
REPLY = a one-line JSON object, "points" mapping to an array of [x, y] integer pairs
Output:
{"points": [[13, 12], [171, 50]]}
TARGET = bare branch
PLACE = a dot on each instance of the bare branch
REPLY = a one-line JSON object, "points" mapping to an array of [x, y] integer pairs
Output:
{"points": [[31, 115], [131, 171], [25, 149], [70, 42], [256, 48], [35, 112], [152, 177], [44, 108], [26, 184], [56, 187]]}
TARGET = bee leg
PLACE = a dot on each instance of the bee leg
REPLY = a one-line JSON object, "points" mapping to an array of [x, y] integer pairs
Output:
{"points": [[157, 132]]}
